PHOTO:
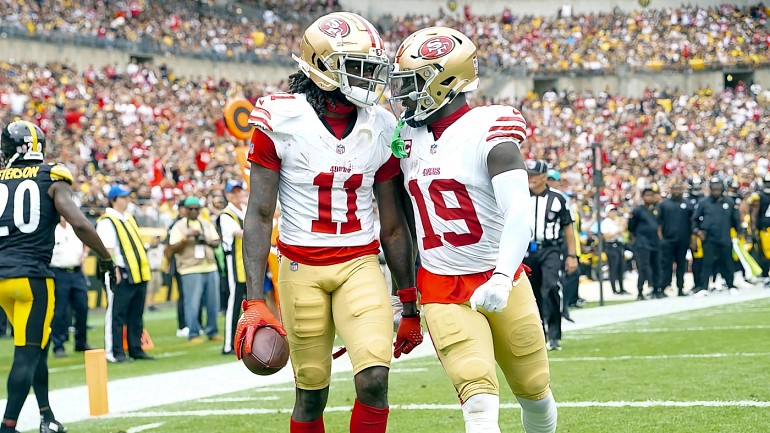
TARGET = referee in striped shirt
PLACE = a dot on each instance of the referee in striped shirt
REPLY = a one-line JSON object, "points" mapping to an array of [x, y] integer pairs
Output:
{"points": [[552, 226]]}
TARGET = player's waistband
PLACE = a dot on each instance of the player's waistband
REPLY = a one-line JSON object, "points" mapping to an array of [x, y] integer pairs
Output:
{"points": [[326, 256], [71, 270]]}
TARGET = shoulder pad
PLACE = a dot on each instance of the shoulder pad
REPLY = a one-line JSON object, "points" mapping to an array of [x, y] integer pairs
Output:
{"points": [[61, 172], [271, 111], [503, 123]]}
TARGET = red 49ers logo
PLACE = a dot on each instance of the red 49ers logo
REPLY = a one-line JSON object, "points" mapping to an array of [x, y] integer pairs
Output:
{"points": [[334, 27], [435, 47]]}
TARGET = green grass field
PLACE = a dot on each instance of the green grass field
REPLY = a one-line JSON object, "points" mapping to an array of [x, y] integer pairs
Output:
{"points": [[652, 375]]}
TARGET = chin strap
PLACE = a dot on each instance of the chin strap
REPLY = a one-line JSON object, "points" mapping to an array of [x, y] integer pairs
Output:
{"points": [[397, 145]]}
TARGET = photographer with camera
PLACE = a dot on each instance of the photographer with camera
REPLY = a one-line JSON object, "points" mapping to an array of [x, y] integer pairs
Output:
{"points": [[192, 240]]}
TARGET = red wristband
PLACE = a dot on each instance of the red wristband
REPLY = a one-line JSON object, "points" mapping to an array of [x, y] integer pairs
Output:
{"points": [[407, 295]]}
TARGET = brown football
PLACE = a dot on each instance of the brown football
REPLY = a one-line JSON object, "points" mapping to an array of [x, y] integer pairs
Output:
{"points": [[269, 352]]}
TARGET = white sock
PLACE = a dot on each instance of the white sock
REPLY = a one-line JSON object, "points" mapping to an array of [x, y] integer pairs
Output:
{"points": [[538, 416], [480, 413]]}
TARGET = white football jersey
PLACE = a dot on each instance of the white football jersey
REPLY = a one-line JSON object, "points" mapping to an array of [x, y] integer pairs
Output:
{"points": [[326, 184], [457, 217]]}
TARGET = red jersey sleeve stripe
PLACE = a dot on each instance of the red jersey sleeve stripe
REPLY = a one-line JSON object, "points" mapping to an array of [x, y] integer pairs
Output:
{"points": [[261, 110], [257, 121], [508, 128], [510, 119], [263, 151], [519, 137]]}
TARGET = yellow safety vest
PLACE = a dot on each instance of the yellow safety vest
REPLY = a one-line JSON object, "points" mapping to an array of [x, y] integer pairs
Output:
{"points": [[132, 248], [237, 252]]}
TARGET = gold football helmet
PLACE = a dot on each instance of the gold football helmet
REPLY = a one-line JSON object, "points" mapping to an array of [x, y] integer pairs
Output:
{"points": [[344, 51], [432, 67]]}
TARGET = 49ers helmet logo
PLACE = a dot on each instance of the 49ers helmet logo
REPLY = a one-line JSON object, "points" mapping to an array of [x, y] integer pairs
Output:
{"points": [[334, 27], [435, 47]]}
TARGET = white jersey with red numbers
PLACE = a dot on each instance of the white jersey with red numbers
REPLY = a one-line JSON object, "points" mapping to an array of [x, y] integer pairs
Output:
{"points": [[457, 217], [325, 187]]}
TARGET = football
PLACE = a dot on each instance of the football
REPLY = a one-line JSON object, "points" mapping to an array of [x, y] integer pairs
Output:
{"points": [[269, 352]]}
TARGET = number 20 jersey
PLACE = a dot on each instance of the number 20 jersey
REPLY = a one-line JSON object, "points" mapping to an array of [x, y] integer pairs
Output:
{"points": [[326, 183], [28, 219], [456, 214]]}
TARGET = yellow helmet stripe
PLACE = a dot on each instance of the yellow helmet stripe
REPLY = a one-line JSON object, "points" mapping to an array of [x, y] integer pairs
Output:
{"points": [[33, 133]]}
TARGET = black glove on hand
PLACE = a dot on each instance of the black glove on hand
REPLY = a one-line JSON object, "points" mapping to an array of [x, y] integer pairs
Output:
{"points": [[106, 266]]}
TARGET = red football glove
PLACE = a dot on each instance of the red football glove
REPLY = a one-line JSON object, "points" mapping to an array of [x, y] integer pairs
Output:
{"points": [[409, 334], [255, 315]]}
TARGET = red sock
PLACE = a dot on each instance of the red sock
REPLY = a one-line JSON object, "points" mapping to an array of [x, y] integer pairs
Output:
{"points": [[316, 426], [367, 419]]}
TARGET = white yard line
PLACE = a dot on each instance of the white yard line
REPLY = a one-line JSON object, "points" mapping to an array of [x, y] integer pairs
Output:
{"points": [[682, 329], [682, 355], [453, 407], [145, 427], [238, 399], [138, 393]]}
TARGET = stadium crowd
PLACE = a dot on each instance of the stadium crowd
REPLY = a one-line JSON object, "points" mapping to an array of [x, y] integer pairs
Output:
{"points": [[118, 124], [687, 37]]}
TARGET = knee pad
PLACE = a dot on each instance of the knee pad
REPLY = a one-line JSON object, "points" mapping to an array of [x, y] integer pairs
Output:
{"points": [[481, 413], [538, 416]]}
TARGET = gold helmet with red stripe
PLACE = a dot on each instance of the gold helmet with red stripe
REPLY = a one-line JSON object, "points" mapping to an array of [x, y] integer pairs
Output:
{"points": [[432, 67], [22, 140], [344, 51]]}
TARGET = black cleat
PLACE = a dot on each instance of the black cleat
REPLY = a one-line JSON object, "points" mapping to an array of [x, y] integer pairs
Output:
{"points": [[52, 427]]}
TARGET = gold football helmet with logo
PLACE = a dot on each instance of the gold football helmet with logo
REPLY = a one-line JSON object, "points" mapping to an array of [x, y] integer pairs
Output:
{"points": [[344, 51], [432, 67]]}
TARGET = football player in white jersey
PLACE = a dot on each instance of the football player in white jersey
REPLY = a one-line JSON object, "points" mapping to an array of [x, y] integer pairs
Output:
{"points": [[325, 147], [468, 185]]}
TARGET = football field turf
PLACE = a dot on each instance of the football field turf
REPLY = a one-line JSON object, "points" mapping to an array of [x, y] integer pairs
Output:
{"points": [[696, 371]]}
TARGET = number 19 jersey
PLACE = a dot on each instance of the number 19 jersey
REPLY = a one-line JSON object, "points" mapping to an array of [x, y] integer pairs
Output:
{"points": [[457, 217], [326, 183], [28, 219]]}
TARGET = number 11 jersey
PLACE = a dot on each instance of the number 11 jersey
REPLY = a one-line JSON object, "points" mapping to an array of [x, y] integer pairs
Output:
{"points": [[326, 183], [458, 220]]}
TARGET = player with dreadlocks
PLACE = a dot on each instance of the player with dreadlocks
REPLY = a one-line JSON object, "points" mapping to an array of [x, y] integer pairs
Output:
{"points": [[326, 147]]}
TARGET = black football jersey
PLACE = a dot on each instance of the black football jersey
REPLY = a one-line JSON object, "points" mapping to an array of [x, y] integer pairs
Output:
{"points": [[28, 219]]}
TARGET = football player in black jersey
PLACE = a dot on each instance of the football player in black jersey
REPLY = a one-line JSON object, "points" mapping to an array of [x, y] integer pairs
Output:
{"points": [[33, 195]]}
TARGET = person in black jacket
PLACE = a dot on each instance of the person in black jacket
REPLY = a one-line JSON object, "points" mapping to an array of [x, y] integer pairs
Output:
{"points": [[694, 196], [713, 219], [675, 220], [643, 224]]}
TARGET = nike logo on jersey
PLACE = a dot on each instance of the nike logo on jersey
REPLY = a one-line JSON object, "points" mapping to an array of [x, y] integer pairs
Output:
{"points": [[19, 173]]}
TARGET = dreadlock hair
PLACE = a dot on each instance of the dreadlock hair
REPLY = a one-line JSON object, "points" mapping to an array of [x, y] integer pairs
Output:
{"points": [[317, 98]]}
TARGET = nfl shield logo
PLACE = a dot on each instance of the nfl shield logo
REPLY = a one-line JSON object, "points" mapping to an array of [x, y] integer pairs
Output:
{"points": [[433, 148], [340, 149], [293, 266]]}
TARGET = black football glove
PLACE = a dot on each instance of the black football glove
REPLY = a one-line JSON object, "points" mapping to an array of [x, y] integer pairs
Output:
{"points": [[106, 266]]}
